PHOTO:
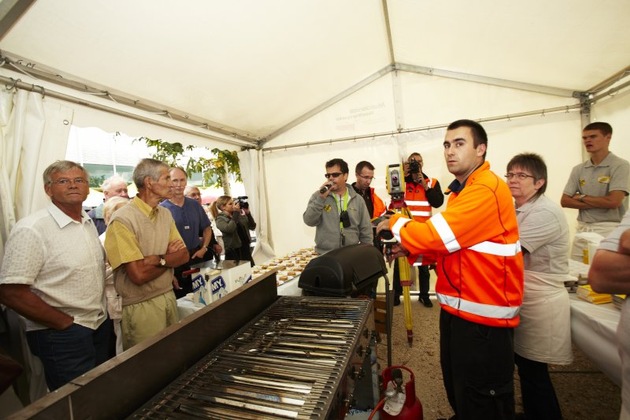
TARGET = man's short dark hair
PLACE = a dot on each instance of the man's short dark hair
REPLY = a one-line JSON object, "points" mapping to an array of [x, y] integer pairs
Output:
{"points": [[603, 127], [363, 164], [479, 133], [340, 162], [533, 163]]}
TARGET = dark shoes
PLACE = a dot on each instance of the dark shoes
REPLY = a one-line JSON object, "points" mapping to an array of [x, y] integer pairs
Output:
{"points": [[396, 300], [426, 301]]}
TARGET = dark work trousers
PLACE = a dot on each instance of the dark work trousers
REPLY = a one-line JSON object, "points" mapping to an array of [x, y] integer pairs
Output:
{"points": [[423, 279], [539, 397], [70, 353], [233, 254], [246, 253], [478, 368]]}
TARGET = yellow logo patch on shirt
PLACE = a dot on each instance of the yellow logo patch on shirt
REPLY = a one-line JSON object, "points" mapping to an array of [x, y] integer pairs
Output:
{"points": [[582, 182], [604, 179], [327, 208]]}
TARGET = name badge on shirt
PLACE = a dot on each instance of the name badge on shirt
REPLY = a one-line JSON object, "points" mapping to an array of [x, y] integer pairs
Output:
{"points": [[604, 179], [186, 227]]}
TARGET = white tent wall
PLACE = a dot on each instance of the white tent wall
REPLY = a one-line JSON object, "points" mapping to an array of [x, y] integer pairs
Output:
{"points": [[298, 172], [616, 111], [368, 110], [293, 175]]}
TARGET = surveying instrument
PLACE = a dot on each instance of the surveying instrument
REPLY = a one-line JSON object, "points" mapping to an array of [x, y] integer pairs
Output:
{"points": [[395, 182]]}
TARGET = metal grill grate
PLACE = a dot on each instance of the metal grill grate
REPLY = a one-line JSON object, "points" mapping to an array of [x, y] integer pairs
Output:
{"points": [[294, 361]]}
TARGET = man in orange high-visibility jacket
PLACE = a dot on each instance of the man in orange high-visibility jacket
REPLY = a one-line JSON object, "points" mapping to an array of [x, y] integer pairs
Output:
{"points": [[480, 276], [422, 194], [364, 172]]}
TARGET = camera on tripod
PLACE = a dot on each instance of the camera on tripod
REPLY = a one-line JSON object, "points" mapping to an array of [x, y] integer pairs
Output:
{"points": [[242, 202]]}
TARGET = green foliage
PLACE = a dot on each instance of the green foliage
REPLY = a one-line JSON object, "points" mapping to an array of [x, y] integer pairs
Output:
{"points": [[97, 181], [215, 169], [165, 151]]}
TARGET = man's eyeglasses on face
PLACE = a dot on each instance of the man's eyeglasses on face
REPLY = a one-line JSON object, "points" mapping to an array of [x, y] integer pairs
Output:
{"points": [[332, 175], [367, 178], [68, 181], [519, 175]]}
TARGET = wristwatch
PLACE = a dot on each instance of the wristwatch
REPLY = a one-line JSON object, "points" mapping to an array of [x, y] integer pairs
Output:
{"points": [[582, 197], [162, 261]]}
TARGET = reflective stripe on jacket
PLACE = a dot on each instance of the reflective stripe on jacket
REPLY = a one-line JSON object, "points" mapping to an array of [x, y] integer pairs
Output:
{"points": [[479, 259], [416, 200]]}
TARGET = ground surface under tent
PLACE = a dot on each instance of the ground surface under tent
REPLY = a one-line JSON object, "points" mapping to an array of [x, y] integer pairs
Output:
{"points": [[585, 393]]}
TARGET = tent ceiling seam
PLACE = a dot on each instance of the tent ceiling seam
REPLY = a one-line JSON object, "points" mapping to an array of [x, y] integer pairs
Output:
{"points": [[340, 96], [388, 31], [509, 117], [247, 140], [430, 71], [567, 93], [11, 83], [10, 12], [611, 80], [30, 70]]}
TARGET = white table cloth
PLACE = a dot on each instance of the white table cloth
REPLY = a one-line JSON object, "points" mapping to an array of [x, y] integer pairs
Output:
{"points": [[594, 331]]}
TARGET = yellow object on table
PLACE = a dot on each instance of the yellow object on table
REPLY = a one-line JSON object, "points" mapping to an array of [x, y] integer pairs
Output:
{"points": [[586, 293]]}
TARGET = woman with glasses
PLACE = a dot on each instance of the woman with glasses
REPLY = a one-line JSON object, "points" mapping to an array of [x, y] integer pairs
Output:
{"points": [[544, 333]]}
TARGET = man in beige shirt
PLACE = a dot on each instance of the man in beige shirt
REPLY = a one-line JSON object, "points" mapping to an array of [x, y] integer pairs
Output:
{"points": [[143, 245]]}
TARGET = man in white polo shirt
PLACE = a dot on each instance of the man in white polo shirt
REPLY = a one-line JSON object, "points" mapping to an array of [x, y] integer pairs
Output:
{"points": [[53, 275]]}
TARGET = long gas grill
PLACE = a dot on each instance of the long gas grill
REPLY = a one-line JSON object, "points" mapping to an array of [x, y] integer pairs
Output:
{"points": [[251, 355], [297, 360]]}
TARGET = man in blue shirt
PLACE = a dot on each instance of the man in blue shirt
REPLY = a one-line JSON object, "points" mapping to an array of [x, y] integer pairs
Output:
{"points": [[190, 219]]}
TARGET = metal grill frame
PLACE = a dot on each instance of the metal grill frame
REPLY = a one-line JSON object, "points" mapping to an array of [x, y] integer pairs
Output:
{"points": [[277, 378]]}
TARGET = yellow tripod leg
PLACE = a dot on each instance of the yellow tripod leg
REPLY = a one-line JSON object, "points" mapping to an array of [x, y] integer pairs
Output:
{"points": [[404, 272]]}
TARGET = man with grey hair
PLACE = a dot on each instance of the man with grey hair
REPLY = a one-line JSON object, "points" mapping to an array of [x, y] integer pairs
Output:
{"points": [[53, 275], [114, 186], [143, 245]]}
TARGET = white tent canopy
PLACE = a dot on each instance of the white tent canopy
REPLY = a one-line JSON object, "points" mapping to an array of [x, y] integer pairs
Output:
{"points": [[293, 79]]}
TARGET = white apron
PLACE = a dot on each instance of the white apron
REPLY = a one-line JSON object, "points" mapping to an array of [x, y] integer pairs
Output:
{"points": [[544, 333]]}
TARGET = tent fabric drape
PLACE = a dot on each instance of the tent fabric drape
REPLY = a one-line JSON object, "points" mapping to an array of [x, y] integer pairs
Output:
{"points": [[33, 134], [250, 162]]}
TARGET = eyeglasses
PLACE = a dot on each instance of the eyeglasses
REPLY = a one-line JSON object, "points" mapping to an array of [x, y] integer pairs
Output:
{"points": [[519, 175], [367, 178], [332, 175], [68, 181]]}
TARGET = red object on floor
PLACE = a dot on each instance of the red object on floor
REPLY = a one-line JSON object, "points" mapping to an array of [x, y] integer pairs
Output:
{"points": [[412, 408]]}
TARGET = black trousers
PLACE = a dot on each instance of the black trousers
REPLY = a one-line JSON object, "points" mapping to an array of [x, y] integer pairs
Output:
{"points": [[478, 368], [539, 397]]}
